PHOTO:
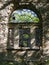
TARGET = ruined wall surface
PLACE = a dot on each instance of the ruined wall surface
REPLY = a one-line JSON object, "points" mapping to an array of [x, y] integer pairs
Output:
{"points": [[7, 6]]}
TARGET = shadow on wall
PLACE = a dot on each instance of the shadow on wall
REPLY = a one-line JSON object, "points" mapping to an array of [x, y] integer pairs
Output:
{"points": [[8, 58]]}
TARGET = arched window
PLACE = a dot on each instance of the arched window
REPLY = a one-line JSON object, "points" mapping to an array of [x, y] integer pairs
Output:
{"points": [[23, 15]]}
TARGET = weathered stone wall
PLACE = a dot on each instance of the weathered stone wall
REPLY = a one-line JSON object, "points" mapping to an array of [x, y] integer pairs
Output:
{"points": [[5, 11]]}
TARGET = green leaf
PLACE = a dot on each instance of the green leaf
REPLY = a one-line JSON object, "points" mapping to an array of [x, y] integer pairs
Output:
{"points": [[26, 36], [24, 43]]}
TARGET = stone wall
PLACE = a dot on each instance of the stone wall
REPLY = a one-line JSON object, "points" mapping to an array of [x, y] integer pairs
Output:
{"points": [[7, 6]]}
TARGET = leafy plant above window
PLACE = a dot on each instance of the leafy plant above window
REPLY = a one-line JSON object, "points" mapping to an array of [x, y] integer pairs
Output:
{"points": [[24, 15]]}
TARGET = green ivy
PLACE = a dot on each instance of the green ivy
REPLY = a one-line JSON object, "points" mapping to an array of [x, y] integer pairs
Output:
{"points": [[25, 18], [26, 36], [24, 43]]}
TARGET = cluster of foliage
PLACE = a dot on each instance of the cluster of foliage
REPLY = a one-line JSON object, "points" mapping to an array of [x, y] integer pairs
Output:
{"points": [[24, 18]]}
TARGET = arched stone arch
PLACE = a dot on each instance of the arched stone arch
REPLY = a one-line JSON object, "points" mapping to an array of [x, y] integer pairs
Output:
{"points": [[29, 6]]}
